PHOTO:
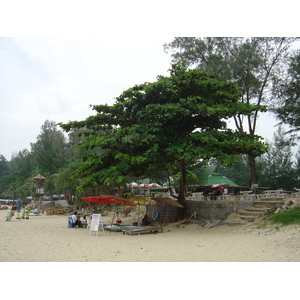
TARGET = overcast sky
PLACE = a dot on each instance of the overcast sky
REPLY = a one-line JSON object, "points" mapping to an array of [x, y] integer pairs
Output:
{"points": [[109, 48], [58, 78]]}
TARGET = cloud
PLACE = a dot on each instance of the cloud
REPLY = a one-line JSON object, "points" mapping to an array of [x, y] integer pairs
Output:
{"points": [[59, 78]]}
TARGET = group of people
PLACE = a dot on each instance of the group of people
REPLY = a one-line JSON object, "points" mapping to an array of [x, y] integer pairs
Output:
{"points": [[214, 192], [76, 220]]}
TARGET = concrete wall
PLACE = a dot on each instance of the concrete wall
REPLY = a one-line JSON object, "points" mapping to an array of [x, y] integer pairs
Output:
{"points": [[215, 209], [165, 213], [209, 210]]}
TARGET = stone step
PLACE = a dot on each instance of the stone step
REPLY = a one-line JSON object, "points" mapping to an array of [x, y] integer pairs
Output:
{"points": [[248, 218], [270, 199], [269, 203], [251, 213], [258, 208]]}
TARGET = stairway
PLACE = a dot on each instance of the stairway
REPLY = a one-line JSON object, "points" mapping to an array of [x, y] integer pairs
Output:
{"points": [[260, 208]]}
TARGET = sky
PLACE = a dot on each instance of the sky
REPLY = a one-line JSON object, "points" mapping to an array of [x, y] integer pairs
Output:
{"points": [[56, 60], [58, 57], [57, 79]]}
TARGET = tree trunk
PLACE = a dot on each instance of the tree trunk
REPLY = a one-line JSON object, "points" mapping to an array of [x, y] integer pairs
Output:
{"points": [[253, 172], [181, 194]]}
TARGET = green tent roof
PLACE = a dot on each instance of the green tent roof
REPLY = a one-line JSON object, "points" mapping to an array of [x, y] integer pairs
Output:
{"points": [[208, 176]]}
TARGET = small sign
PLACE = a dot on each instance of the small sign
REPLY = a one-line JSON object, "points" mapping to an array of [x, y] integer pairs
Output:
{"points": [[96, 223]]}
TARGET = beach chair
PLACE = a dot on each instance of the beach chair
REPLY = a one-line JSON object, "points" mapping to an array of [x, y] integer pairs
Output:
{"points": [[70, 222]]}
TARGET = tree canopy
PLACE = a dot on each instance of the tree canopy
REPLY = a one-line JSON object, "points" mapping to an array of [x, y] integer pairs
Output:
{"points": [[174, 121], [253, 63], [287, 109], [276, 167]]}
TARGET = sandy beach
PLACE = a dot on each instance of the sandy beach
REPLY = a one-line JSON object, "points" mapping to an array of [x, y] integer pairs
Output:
{"points": [[48, 239]]}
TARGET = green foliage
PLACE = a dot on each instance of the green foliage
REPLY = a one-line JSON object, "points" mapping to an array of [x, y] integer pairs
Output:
{"points": [[172, 122], [4, 169], [48, 153], [49, 150], [288, 107], [237, 172], [254, 64], [288, 217], [191, 179], [276, 167]]}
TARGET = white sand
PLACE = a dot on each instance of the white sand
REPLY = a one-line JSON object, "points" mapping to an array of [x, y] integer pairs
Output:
{"points": [[48, 239]]}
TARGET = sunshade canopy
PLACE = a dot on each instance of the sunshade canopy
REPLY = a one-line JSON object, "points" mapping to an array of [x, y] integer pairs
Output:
{"points": [[108, 199], [167, 201], [141, 200]]}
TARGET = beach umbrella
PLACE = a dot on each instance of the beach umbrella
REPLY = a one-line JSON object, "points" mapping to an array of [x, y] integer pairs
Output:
{"points": [[144, 186], [141, 200], [109, 199], [119, 201], [155, 185], [102, 199], [167, 201]]}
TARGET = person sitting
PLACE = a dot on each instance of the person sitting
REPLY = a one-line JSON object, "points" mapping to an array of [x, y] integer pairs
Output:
{"points": [[217, 192], [146, 220], [79, 222], [118, 221], [76, 220]]}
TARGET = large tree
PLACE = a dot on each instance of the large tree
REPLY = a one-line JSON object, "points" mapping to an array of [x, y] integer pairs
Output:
{"points": [[276, 167], [49, 150], [253, 63], [287, 108], [152, 126]]}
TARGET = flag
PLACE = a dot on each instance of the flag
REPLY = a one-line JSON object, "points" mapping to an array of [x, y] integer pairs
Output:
{"points": [[37, 170]]}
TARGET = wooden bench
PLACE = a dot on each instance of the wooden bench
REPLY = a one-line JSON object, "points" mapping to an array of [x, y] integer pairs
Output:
{"points": [[140, 230]]}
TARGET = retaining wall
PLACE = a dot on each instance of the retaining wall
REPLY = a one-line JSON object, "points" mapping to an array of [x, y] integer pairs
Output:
{"points": [[209, 210], [215, 209], [164, 214]]}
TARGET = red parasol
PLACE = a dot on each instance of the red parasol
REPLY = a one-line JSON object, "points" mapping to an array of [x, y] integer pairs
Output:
{"points": [[121, 201], [102, 199], [108, 199], [155, 185], [144, 186]]}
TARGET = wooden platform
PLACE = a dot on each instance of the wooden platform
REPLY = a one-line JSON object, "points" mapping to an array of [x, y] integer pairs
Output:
{"points": [[141, 230]]}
